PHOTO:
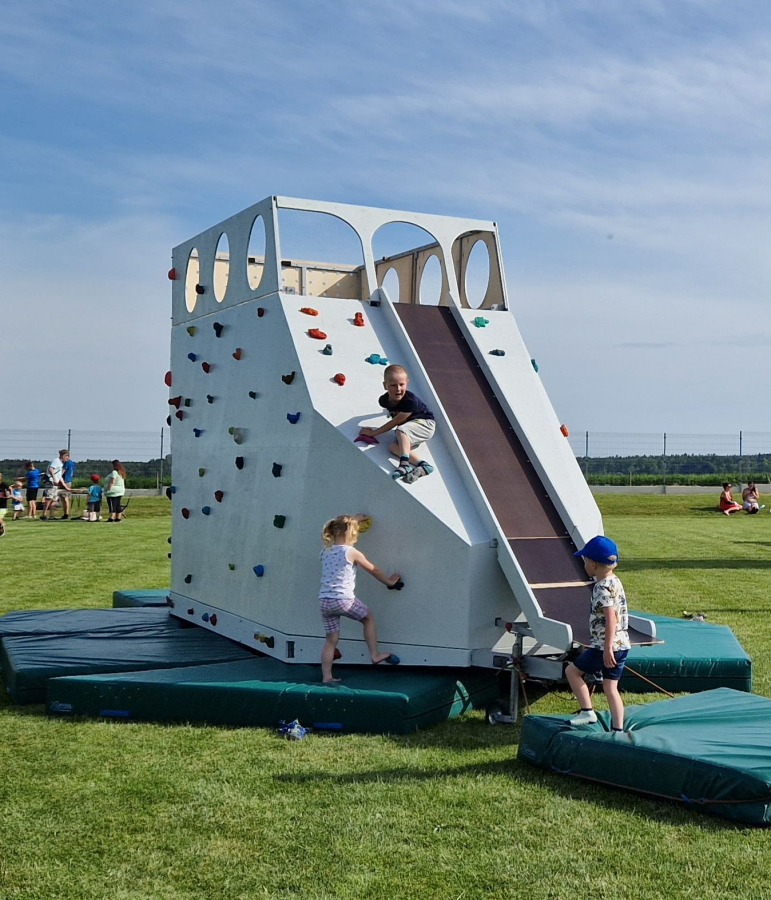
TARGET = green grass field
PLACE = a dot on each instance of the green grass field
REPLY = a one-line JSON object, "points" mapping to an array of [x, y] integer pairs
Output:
{"points": [[93, 809]]}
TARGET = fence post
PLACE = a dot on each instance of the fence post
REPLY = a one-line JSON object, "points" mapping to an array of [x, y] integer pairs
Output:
{"points": [[664, 485], [69, 439], [741, 467], [586, 458], [160, 473]]}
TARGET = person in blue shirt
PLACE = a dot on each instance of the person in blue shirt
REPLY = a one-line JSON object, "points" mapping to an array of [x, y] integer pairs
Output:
{"points": [[94, 508], [68, 470], [33, 486]]}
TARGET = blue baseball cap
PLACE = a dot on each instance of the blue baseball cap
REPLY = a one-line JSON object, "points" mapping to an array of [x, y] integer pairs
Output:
{"points": [[600, 549]]}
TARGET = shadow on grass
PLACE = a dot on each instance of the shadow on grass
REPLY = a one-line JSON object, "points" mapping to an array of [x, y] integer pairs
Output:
{"points": [[640, 565]]}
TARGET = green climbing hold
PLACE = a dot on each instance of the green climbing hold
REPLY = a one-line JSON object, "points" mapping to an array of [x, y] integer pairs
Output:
{"points": [[279, 521], [254, 395], [480, 321], [327, 351], [231, 566], [534, 364], [201, 473]]}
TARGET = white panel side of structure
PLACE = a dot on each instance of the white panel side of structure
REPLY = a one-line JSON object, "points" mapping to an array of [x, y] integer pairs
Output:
{"points": [[525, 401]]}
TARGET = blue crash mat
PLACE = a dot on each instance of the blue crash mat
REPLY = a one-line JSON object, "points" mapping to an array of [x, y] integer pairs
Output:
{"points": [[140, 598], [29, 661]]}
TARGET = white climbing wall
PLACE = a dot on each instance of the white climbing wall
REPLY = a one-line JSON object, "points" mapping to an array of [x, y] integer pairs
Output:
{"points": [[245, 543]]}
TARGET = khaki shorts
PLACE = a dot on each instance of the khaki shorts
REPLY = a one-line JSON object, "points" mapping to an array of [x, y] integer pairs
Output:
{"points": [[418, 431], [51, 493]]}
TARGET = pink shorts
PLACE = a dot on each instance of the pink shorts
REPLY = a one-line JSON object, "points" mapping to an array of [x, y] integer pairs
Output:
{"points": [[332, 608]]}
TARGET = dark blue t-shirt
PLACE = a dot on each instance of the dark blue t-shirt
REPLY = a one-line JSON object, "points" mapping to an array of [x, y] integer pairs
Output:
{"points": [[408, 404], [33, 478]]}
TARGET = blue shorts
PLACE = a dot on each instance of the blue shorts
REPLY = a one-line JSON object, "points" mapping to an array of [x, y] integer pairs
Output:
{"points": [[591, 661]]}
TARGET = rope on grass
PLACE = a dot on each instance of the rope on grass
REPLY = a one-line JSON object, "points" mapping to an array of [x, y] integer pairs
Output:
{"points": [[648, 681]]}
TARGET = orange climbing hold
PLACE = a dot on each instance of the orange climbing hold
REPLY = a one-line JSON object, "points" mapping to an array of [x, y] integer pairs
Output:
{"points": [[316, 333], [358, 319], [309, 311], [564, 430], [175, 401], [172, 274], [340, 379], [206, 367]]}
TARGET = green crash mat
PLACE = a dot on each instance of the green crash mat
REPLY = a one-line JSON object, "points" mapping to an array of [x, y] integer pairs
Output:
{"points": [[695, 656], [709, 751], [139, 598], [29, 661], [78, 621], [261, 691]]}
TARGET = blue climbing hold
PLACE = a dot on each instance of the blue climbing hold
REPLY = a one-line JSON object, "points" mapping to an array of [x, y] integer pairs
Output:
{"points": [[497, 353], [534, 364], [327, 351], [293, 418], [206, 510], [198, 432], [192, 357], [209, 398], [259, 571], [376, 359], [276, 470], [205, 617]]}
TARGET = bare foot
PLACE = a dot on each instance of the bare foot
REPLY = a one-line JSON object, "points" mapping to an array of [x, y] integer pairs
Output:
{"points": [[331, 680], [380, 657]]}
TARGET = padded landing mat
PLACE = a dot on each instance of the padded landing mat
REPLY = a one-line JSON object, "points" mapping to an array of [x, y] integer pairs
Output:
{"points": [[77, 621], [260, 691], [695, 656], [139, 598], [29, 661], [709, 751]]}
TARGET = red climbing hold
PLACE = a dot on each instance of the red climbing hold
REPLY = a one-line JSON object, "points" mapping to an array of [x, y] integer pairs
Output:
{"points": [[340, 379], [179, 415], [309, 311], [185, 513], [206, 367], [337, 654], [172, 274], [315, 333], [175, 401], [213, 619], [358, 319], [218, 495], [237, 353], [167, 379], [564, 430]]}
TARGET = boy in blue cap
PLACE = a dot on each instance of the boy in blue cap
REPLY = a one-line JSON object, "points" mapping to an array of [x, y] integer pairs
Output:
{"points": [[608, 624]]}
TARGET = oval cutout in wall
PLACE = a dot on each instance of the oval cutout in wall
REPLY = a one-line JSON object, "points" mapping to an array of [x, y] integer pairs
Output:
{"points": [[391, 285], [191, 280], [477, 274], [221, 267], [431, 282], [255, 253]]}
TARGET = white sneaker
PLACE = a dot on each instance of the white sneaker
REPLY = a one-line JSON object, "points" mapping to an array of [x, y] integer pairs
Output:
{"points": [[585, 717]]}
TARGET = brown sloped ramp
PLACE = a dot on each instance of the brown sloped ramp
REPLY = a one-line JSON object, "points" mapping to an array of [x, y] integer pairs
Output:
{"points": [[511, 484]]}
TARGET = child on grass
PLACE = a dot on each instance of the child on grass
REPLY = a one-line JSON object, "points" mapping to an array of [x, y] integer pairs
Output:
{"points": [[94, 505], [17, 500], [608, 623], [412, 421], [336, 596]]}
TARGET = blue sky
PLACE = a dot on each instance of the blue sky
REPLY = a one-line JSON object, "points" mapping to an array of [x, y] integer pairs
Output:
{"points": [[623, 149]]}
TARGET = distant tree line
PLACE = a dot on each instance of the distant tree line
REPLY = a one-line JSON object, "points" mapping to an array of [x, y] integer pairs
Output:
{"points": [[682, 468], [138, 474]]}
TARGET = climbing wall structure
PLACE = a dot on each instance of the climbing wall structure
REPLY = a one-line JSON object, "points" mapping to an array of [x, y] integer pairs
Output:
{"points": [[276, 364]]}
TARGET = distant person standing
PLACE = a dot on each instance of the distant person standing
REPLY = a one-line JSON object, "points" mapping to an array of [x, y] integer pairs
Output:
{"points": [[68, 470], [33, 486], [5, 493], [54, 484], [114, 489], [17, 500]]}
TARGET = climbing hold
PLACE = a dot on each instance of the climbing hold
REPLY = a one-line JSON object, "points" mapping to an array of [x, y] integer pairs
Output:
{"points": [[173, 489], [237, 353], [365, 524], [205, 617], [167, 379], [188, 579], [337, 654], [564, 430], [254, 395], [497, 353], [191, 330], [288, 379], [397, 586], [358, 319], [206, 510], [276, 470], [218, 495], [217, 328], [231, 566], [198, 432], [175, 401], [168, 539], [172, 274], [238, 435], [232, 429], [309, 311], [169, 492], [239, 462], [168, 555], [339, 379], [293, 418], [200, 289], [480, 321], [213, 621], [365, 439], [327, 351], [188, 402], [179, 415], [376, 359], [201, 473], [192, 357], [191, 611], [209, 398], [279, 521], [185, 513], [317, 333], [259, 571], [260, 312], [534, 364], [206, 367], [168, 421]]}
